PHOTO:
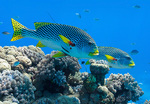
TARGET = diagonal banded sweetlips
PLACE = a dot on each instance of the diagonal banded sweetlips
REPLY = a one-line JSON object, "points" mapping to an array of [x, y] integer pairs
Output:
{"points": [[69, 40]]}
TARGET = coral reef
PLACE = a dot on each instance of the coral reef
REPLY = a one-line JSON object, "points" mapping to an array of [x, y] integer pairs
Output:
{"points": [[94, 91], [58, 100], [15, 84], [90, 83], [52, 74], [99, 71], [124, 88], [42, 79], [147, 102]]}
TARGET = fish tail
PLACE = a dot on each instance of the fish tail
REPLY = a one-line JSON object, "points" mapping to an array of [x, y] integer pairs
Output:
{"points": [[17, 30]]}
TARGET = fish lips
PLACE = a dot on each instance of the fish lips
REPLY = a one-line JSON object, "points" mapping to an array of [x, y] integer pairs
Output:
{"points": [[132, 64], [96, 52]]}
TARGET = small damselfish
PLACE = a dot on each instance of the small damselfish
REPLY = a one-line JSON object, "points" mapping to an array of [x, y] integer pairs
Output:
{"points": [[68, 40]]}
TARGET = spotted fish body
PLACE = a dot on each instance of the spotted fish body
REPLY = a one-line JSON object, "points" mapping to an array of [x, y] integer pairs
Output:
{"points": [[121, 59], [49, 35]]}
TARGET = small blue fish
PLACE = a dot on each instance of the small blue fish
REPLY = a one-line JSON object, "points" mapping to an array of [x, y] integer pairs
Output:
{"points": [[1, 23], [16, 63], [96, 19], [133, 43], [82, 62], [78, 14], [140, 84], [137, 6], [85, 29], [86, 10], [16, 17], [5, 33], [134, 52]]}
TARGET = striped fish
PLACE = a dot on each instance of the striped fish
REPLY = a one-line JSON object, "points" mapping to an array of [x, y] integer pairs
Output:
{"points": [[68, 40], [115, 57]]}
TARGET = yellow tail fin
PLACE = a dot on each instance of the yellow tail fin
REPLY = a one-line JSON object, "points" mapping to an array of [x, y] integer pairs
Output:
{"points": [[17, 30]]}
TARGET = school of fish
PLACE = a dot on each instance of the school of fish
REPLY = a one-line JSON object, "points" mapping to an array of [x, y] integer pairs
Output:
{"points": [[72, 41]]}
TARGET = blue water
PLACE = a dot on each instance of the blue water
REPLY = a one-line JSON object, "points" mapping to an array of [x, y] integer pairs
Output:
{"points": [[119, 25]]}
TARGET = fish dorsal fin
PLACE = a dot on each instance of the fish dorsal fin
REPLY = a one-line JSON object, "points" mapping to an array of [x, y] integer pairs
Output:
{"points": [[39, 44], [40, 24], [59, 55]]}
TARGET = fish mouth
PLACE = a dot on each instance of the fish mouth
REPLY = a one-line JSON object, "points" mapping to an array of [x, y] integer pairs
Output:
{"points": [[132, 64], [96, 52]]}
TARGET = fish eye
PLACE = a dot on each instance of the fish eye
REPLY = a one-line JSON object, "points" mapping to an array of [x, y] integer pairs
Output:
{"points": [[128, 58], [90, 43]]}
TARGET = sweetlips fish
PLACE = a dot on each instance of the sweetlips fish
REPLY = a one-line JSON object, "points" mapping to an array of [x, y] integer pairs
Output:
{"points": [[68, 40], [115, 57]]}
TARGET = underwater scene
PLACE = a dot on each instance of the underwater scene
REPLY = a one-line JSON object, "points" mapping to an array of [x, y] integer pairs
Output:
{"points": [[74, 52]]}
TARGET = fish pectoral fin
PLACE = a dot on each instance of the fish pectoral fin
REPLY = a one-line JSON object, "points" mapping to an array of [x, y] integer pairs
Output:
{"points": [[66, 40], [39, 44], [59, 55], [40, 24], [88, 62], [110, 58]]}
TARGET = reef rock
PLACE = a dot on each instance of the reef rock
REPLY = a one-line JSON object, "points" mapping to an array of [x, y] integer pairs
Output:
{"points": [[4, 65], [99, 71], [24, 60]]}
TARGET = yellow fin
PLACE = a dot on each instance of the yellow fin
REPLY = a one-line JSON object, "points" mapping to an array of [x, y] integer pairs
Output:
{"points": [[39, 44], [66, 40], [17, 30], [40, 24], [87, 63], [59, 54], [110, 58]]}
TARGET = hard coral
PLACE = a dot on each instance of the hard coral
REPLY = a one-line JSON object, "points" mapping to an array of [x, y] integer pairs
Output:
{"points": [[27, 56], [75, 79], [15, 84], [99, 71], [52, 73], [90, 83], [124, 88]]}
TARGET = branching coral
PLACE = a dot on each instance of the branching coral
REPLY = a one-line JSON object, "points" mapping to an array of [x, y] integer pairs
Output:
{"points": [[75, 80], [124, 88], [52, 73]]}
